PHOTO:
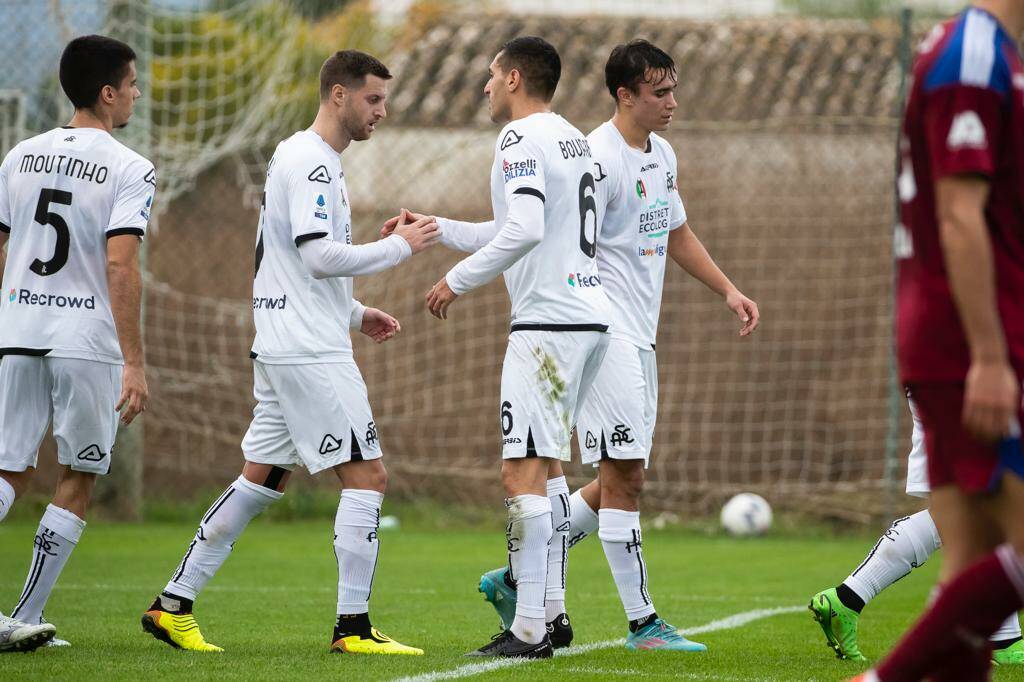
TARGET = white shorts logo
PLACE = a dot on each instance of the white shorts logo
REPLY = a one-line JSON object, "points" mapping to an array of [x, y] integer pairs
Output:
{"points": [[967, 131]]}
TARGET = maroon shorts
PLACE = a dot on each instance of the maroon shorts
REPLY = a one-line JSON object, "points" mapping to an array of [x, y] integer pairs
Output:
{"points": [[955, 457]]}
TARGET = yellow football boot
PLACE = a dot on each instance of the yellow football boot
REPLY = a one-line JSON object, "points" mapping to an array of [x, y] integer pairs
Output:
{"points": [[179, 630], [376, 643]]}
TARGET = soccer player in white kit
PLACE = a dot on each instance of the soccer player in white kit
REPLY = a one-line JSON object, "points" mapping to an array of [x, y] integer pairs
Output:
{"points": [[312, 407], [904, 546], [543, 238], [643, 222], [74, 206]]}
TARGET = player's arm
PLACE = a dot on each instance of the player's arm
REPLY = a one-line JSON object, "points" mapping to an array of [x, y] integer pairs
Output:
{"points": [[522, 231], [124, 281], [963, 128], [690, 254], [129, 219], [991, 398], [5, 213], [457, 235], [311, 206]]}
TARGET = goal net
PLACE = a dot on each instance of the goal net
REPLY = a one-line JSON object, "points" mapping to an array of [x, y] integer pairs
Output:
{"points": [[785, 137]]}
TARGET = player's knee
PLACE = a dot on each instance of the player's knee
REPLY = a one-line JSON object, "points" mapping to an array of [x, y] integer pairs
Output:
{"points": [[627, 481], [18, 480]]}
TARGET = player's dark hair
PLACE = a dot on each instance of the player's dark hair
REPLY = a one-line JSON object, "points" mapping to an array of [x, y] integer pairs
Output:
{"points": [[537, 61], [90, 62], [638, 61], [349, 69]]}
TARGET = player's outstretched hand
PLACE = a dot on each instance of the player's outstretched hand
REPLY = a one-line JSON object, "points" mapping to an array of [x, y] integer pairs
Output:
{"points": [[134, 393], [421, 234], [378, 325], [391, 223], [991, 400], [745, 309], [439, 298]]}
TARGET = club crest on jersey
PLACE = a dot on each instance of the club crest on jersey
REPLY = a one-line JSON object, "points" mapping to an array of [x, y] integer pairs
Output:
{"points": [[321, 208], [320, 174], [641, 189], [670, 182], [511, 138], [519, 169]]}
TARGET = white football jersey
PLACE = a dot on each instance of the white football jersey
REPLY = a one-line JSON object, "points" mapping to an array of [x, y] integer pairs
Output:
{"points": [[557, 282], [300, 319], [62, 195], [638, 197]]}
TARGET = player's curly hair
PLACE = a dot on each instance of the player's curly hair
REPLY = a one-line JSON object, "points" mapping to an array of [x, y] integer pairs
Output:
{"points": [[537, 61], [91, 62], [638, 61], [349, 69]]}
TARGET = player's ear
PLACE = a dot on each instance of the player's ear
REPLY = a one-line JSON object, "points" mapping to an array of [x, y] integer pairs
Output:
{"points": [[107, 94], [624, 96], [513, 79], [338, 93]]}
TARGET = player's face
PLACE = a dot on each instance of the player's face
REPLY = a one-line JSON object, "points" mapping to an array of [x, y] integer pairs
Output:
{"points": [[497, 94], [124, 97], [655, 101], [364, 108]]}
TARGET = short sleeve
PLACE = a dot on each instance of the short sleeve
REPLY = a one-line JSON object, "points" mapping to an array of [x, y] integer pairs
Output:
{"points": [[521, 165], [963, 126], [677, 218], [311, 200], [5, 199], [133, 202]]}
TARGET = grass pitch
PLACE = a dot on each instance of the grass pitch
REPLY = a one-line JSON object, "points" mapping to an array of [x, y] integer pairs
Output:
{"points": [[272, 607]]}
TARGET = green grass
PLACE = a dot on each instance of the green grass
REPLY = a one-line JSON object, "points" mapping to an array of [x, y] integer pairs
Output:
{"points": [[272, 605]]}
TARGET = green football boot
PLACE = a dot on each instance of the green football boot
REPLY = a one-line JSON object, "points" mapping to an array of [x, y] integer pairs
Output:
{"points": [[839, 624], [500, 595], [1011, 655]]}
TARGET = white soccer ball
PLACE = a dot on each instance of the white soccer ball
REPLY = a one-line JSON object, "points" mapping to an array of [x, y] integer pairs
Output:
{"points": [[747, 514]]}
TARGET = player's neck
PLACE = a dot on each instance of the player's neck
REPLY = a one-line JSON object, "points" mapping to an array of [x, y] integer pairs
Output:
{"points": [[528, 107], [330, 132], [634, 135], [86, 118], [1009, 14]]}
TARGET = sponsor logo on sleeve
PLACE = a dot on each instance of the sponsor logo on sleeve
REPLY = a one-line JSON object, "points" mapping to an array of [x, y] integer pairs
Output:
{"points": [[601, 175], [147, 208], [320, 174], [966, 132], [150, 178], [320, 211], [519, 169], [511, 138]]}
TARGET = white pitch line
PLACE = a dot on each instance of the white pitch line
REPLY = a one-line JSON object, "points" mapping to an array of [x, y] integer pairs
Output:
{"points": [[729, 622]]}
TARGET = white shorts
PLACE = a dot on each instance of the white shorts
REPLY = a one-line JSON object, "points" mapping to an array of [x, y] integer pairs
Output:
{"points": [[315, 415], [917, 461], [77, 395], [617, 420], [545, 378]]}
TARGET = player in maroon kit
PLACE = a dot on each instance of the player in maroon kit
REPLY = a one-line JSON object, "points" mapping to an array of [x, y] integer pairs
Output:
{"points": [[960, 326]]}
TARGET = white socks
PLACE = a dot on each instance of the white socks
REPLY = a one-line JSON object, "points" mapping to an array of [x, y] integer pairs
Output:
{"points": [[906, 545], [620, 536], [528, 533], [583, 520], [220, 527], [356, 546], [6, 498], [558, 550], [59, 531]]}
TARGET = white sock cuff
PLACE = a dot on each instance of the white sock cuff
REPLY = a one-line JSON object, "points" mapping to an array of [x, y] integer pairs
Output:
{"points": [[582, 513], [244, 485], [359, 508], [557, 486], [63, 523], [1013, 565], [522, 507], [617, 525]]}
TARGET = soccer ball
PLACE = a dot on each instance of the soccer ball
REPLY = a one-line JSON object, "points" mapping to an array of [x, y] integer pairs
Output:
{"points": [[747, 514]]}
